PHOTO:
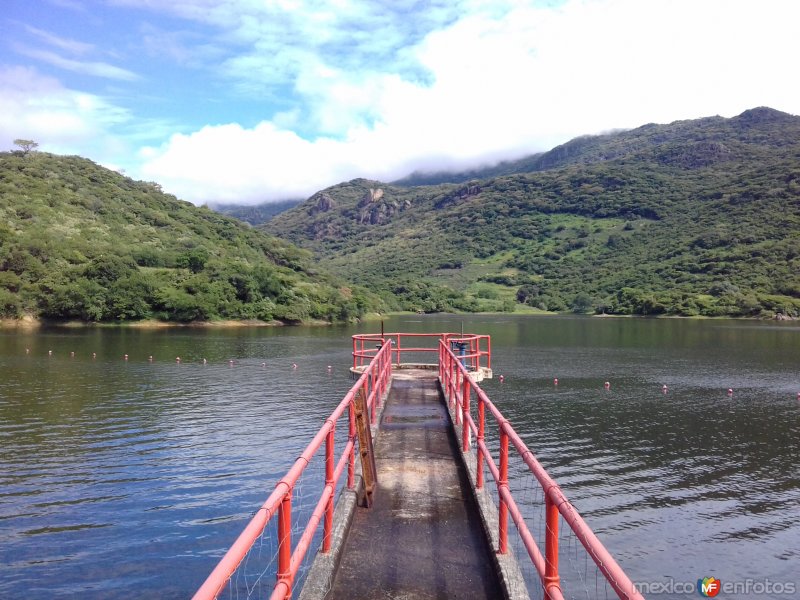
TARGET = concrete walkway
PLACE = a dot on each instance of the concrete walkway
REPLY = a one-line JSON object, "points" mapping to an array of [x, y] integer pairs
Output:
{"points": [[422, 538]]}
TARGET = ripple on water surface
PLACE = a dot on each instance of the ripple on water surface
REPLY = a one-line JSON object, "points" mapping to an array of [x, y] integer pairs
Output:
{"points": [[129, 479]]}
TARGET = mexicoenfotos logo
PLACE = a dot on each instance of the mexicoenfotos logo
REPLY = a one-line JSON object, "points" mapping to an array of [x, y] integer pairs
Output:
{"points": [[709, 586]]}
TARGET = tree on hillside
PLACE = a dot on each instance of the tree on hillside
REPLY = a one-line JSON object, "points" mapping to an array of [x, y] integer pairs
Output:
{"points": [[26, 145]]}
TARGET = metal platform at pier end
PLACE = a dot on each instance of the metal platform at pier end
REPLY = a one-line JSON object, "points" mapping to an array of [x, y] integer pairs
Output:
{"points": [[438, 496]]}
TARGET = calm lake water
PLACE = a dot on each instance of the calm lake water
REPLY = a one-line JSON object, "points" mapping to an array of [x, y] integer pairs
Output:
{"points": [[123, 479]]}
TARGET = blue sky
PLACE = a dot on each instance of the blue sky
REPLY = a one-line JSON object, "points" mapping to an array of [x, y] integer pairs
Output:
{"points": [[256, 100]]}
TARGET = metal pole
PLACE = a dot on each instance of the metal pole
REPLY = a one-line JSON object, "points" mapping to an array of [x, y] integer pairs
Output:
{"points": [[481, 437], [551, 578], [503, 482], [327, 527], [465, 431], [284, 573], [456, 393], [351, 463], [373, 409]]}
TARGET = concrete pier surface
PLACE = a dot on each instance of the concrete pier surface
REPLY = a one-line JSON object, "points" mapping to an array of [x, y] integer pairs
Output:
{"points": [[422, 538]]}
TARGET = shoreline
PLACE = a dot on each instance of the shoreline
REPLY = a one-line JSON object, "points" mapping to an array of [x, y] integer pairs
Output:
{"points": [[31, 323]]}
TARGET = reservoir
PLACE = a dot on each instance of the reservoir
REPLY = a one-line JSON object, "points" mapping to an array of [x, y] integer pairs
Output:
{"points": [[123, 478]]}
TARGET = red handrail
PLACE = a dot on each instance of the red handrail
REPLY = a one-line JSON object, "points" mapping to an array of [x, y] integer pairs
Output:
{"points": [[457, 384], [477, 348], [374, 382]]}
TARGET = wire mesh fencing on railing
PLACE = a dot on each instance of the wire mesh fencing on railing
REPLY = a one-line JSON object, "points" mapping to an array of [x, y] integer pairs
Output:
{"points": [[272, 555], [557, 555], [257, 573], [579, 576]]}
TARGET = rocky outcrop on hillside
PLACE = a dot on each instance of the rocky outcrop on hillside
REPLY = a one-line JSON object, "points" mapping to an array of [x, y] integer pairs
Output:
{"points": [[321, 202], [377, 209]]}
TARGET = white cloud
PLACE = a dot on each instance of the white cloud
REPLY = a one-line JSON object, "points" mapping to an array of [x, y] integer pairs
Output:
{"points": [[501, 87], [33, 106], [70, 45], [229, 163], [93, 68], [370, 90]]}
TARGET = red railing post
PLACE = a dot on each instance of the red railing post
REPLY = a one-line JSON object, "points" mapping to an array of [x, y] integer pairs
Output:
{"points": [[327, 527], [457, 396], [449, 380], [551, 578], [446, 377], [481, 438], [373, 407], [381, 377], [503, 483], [398, 349], [284, 572], [465, 431], [351, 435], [474, 348], [387, 368], [453, 385]]}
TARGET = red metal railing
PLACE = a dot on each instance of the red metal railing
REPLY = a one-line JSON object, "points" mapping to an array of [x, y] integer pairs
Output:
{"points": [[374, 382], [373, 356], [475, 351], [458, 387]]}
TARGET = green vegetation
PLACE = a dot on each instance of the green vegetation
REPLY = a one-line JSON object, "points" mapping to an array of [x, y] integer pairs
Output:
{"points": [[78, 241], [694, 218]]}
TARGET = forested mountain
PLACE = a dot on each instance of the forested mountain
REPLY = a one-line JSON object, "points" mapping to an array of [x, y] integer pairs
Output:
{"points": [[78, 241], [691, 218]]}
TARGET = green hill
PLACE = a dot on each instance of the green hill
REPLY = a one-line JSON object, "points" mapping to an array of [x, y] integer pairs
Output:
{"points": [[78, 241], [691, 218]]}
